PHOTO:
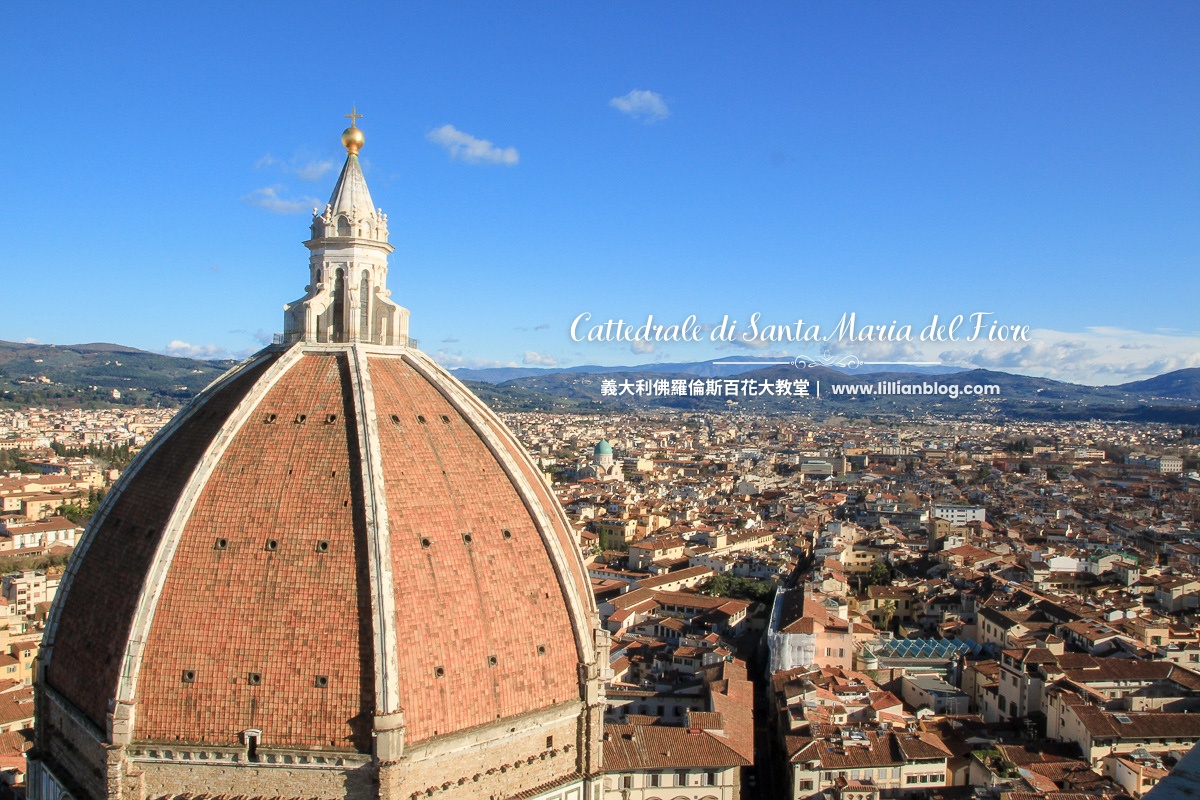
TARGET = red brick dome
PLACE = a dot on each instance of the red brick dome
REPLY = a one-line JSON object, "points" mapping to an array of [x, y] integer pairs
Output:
{"points": [[328, 537], [334, 574], [314, 506]]}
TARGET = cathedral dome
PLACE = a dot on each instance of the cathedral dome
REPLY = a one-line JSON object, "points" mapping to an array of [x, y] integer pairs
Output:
{"points": [[603, 448], [335, 573]]}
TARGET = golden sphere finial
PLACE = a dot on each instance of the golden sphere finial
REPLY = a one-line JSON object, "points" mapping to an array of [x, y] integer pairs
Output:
{"points": [[352, 137]]}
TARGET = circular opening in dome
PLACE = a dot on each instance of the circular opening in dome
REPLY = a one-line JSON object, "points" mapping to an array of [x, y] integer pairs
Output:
{"points": [[269, 419], [421, 419], [395, 419], [541, 649], [221, 544], [445, 419], [439, 672], [493, 661], [189, 676], [323, 546], [426, 542], [301, 419], [254, 678], [330, 419], [467, 538], [321, 682], [272, 544], [506, 533]]}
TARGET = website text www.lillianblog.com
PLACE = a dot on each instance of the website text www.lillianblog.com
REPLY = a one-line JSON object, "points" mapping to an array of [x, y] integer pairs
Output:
{"points": [[931, 388], [802, 388]]}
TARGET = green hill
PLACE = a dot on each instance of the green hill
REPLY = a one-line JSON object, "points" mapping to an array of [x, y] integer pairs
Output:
{"points": [[85, 375]]}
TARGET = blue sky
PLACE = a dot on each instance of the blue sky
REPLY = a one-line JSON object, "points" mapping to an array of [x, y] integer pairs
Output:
{"points": [[1041, 162]]}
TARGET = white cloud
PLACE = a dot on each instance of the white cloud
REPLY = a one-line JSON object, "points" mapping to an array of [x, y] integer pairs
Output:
{"points": [[881, 351], [1097, 356], [465, 147], [31, 340], [643, 105], [182, 349], [270, 198], [263, 337], [753, 344], [313, 170], [533, 359], [306, 169], [641, 346], [456, 360]]}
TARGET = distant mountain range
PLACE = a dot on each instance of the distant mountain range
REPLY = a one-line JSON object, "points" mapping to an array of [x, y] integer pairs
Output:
{"points": [[714, 368], [1172, 398], [85, 375], [1181, 384]]}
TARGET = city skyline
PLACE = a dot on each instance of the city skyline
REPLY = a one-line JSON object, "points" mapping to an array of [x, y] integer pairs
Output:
{"points": [[891, 163]]}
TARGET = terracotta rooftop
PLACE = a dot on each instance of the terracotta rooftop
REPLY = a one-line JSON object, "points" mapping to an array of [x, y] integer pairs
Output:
{"points": [[641, 747]]}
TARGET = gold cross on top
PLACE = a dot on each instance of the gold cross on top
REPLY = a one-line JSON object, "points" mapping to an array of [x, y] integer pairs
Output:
{"points": [[353, 116]]}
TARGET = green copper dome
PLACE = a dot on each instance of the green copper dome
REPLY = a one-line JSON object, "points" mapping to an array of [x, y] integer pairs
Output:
{"points": [[603, 448]]}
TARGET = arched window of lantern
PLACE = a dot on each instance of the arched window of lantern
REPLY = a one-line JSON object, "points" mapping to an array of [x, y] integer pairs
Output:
{"points": [[364, 306], [338, 306]]}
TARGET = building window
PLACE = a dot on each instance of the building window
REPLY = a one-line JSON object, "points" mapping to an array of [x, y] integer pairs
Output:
{"points": [[655, 780], [710, 778], [626, 781], [250, 737], [681, 778]]}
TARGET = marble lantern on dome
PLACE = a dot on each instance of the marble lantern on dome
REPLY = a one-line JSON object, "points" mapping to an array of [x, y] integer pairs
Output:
{"points": [[347, 298]]}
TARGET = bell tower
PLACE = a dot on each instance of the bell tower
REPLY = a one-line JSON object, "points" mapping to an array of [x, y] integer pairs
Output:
{"points": [[347, 299]]}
